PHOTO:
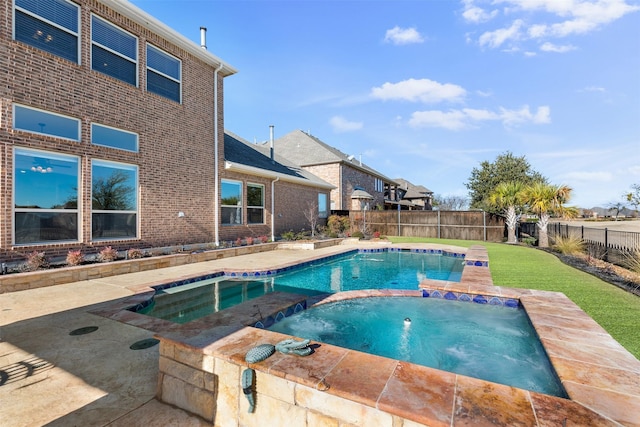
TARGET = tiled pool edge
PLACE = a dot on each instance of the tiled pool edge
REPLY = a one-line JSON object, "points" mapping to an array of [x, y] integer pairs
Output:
{"points": [[603, 391]]}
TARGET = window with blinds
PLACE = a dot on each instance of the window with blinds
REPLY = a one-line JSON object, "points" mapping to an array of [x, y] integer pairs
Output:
{"points": [[114, 52], [163, 74]]}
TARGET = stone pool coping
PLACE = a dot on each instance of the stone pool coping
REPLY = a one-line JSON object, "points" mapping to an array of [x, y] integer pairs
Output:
{"points": [[601, 378]]}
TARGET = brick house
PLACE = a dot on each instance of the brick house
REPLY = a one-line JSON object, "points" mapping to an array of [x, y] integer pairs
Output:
{"points": [[257, 182], [356, 184], [414, 197], [112, 129]]}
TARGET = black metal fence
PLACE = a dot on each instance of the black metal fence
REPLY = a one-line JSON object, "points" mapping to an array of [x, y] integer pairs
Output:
{"points": [[602, 243]]}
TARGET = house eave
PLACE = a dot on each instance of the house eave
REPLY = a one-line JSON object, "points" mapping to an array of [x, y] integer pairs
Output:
{"points": [[141, 17], [251, 170]]}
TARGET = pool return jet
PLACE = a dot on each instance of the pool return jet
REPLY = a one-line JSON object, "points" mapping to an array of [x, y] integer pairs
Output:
{"points": [[262, 352]]}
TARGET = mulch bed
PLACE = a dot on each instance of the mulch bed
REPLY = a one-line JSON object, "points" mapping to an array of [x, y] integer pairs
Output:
{"points": [[605, 271]]}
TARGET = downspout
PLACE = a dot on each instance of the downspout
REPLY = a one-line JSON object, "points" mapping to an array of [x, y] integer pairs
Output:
{"points": [[216, 143], [273, 207]]}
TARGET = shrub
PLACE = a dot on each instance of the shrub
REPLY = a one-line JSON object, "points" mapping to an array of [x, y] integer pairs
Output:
{"points": [[288, 235], [238, 242], [358, 234], [135, 253], [75, 257], [107, 254], [569, 245], [36, 260], [631, 260], [263, 239], [529, 241], [337, 224], [249, 240], [376, 234]]}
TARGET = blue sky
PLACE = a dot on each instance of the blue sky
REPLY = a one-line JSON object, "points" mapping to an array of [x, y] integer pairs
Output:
{"points": [[427, 89]]}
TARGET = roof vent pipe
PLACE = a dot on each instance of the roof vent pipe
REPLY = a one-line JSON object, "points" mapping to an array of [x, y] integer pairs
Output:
{"points": [[203, 37], [271, 142]]}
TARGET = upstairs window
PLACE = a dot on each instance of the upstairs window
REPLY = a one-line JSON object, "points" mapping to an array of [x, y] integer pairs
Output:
{"points": [[114, 52], [255, 204], [45, 123], [114, 138], [49, 25], [379, 185], [163, 74]]}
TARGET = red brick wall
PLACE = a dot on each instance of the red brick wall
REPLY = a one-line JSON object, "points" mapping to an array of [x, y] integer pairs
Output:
{"points": [[176, 148]]}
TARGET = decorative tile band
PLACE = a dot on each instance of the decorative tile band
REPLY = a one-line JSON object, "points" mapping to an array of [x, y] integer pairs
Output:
{"points": [[475, 298], [289, 311]]}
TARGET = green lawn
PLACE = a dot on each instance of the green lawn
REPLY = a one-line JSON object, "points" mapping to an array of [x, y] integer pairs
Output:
{"points": [[615, 310]]}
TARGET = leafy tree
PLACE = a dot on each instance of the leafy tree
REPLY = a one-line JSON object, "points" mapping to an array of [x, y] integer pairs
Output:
{"points": [[111, 193], [505, 168], [546, 199], [634, 196], [450, 203], [508, 197]]}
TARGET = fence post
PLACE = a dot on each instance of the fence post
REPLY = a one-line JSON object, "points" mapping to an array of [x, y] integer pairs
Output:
{"points": [[606, 245], [484, 224], [398, 218], [582, 232], [438, 223]]}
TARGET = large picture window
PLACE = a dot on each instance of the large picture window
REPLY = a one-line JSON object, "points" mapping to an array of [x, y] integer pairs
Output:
{"points": [[255, 204], [231, 202], [49, 25], [113, 51], [163, 74], [45, 197], [114, 200], [114, 138], [45, 123]]}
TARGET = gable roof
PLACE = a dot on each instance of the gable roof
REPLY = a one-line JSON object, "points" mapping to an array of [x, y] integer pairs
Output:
{"points": [[413, 191], [242, 156], [304, 149]]}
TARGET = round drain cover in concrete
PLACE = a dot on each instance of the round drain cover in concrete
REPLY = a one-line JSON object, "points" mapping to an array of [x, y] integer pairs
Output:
{"points": [[84, 331], [142, 344]]}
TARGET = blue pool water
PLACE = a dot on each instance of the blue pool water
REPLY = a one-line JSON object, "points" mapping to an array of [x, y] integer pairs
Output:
{"points": [[352, 271], [493, 343]]}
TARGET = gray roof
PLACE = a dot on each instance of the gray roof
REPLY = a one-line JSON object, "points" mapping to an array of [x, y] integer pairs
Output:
{"points": [[241, 152], [413, 191], [304, 149]]}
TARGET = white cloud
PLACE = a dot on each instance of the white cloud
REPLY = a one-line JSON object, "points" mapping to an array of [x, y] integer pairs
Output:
{"points": [[634, 170], [550, 47], [400, 36], [594, 89], [340, 124], [475, 14], [467, 118], [549, 19], [419, 90], [496, 38]]}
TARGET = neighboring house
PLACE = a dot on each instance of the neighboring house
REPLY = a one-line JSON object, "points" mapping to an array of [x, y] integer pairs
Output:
{"points": [[264, 194], [112, 129], [356, 184], [417, 197]]}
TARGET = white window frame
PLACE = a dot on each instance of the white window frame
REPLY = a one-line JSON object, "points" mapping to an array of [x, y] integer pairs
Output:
{"points": [[115, 52], [42, 132], [137, 139], [239, 206], [136, 211], [262, 187], [75, 33], [178, 80], [28, 151]]}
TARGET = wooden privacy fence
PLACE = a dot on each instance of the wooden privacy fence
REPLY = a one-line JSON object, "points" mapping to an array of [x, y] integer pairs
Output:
{"points": [[463, 225]]}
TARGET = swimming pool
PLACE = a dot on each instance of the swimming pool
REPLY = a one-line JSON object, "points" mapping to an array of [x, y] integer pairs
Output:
{"points": [[191, 299], [493, 343]]}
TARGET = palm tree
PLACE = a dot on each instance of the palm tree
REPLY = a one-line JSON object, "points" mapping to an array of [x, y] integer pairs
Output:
{"points": [[507, 196], [545, 199]]}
